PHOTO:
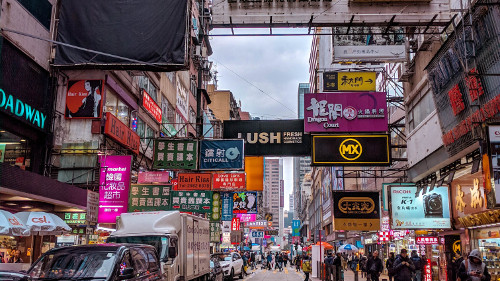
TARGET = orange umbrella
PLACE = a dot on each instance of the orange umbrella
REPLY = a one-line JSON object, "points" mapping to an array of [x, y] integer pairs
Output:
{"points": [[326, 245]]}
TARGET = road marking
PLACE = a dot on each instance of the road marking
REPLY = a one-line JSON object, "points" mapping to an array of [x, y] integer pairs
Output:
{"points": [[286, 270]]}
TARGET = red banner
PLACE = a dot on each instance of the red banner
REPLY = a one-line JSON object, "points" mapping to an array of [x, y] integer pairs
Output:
{"points": [[115, 129], [235, 224], [151, 106], [194, 181], [230, 181]]}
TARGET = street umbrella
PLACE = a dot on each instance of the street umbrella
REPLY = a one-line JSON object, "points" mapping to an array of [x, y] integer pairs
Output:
{"points": [[44, 223], [10, 224], [348, 248], [325, 245]]}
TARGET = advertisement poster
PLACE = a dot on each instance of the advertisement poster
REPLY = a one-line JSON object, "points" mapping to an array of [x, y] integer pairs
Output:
{"points": [[114, 185], [245, 202], [229, 181], [349, 81], [351, 150], [194, 181], [326, 192], [151, 106], [215, 232], [345, 112], [155, 177], [356, 210], [247, 217], [419, 211], [84, 99], [175, 154], [227, 206], [221, 155], [337, 178], [192, 201], [296, 228], [149, 197], [270, 137], [216, 207], [494, 134], [2, 152]]}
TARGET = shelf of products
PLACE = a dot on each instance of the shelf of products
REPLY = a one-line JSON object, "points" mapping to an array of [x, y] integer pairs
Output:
{"points": [[490, 252]]}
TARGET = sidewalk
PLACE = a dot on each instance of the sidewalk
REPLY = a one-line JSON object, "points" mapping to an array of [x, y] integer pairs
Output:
{"points": [[349, 276]]}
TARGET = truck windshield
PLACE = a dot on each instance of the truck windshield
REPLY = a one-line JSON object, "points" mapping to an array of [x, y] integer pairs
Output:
{"points": [[159, 242], [74, 265]]}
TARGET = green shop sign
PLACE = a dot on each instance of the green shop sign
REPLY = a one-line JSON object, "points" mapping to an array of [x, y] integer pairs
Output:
{"points": [[21, 109]]}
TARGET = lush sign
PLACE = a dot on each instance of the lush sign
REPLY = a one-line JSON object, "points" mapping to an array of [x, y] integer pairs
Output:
{"points": [[23, 110]]}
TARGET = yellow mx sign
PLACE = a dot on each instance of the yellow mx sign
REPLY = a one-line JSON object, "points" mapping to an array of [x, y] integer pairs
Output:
{"points": [[350, 149]]}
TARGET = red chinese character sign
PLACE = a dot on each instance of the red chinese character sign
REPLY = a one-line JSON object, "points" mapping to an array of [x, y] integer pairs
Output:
{"points": [[474, 85], [425, 240], [235, 224], [456, 100], [428, 271], [229, 181]]}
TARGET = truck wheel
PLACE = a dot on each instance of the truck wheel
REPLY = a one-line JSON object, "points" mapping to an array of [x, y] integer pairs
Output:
{"points": [[242, 271]]}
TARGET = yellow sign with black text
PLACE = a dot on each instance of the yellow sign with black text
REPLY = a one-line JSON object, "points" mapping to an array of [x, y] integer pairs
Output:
{"points": [[349, 81]]}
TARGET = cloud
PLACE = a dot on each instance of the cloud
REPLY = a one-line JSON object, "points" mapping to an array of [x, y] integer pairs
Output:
{"points": [[274, 64]]}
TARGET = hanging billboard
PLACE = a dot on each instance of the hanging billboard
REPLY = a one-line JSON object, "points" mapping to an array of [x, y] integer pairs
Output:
{"points": [[192, 201], [412, 209], [149, 197], [194, 181], [351, 150], [345, 112], [349, 81], [84, 99], [270, 137], [155, 34], [175, 154], [245, 202], [356, 211], [229, 181], [227, 206], [221, 155], [254, 170], [326, 192], [114, 184]]}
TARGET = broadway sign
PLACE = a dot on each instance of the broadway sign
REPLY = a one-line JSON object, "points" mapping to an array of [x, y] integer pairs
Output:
{"points": [[345, 112], [270, 137], [356, 211], [351, 150]]}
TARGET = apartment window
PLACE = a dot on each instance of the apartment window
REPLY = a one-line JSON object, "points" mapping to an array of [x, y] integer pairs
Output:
{"points": [[192, 116], [420, 109], [168, 111], [194, 88], [117, 107], [146, 84]]}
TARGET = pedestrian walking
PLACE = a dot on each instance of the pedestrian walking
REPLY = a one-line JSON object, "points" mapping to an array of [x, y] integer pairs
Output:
{"points": [[297, 263], [455, 265], [273, 262], [329, 266], [269, 261], [403, 267], [374, 267], [417, 262], [337, 264], [285, 259], [389, 264], [473, 269], [306, 267], [362, 266], [252, 260], [279, 262], [354, 263]]}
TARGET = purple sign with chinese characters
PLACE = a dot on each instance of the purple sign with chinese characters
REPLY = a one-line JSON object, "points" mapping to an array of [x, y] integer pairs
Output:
{"points": [[345, 112], [114, 184]]}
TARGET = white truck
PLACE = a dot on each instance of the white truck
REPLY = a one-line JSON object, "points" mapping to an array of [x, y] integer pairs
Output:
{"points": [[182, 241]]}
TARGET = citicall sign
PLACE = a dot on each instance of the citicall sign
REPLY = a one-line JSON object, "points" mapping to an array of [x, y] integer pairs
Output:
{"points": [[40, 220]]}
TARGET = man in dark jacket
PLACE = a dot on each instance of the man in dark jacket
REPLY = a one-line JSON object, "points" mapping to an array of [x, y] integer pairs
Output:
{"points": [[417, 262], [473, 269], [403, 267], [389, 264], [337, 265], [329, 266], [374, 266]]}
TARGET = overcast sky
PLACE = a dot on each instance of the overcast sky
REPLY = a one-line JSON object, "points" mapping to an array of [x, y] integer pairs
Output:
{"points": [[275, 65]]}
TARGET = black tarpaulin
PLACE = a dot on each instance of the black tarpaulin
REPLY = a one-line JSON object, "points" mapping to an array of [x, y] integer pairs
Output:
{"points": [[149, 31]]}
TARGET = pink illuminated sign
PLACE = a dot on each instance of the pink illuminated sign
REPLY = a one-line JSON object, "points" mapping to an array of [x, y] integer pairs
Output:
{"points": [[425, 240]]}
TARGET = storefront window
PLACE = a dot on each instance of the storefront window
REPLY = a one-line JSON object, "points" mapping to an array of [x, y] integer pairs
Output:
{"points": [[141, 129], [15, 150], [117, 107], [489, 247]]}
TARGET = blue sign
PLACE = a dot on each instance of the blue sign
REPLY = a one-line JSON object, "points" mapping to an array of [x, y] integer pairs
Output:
{"points": [[296, 228], [221, 155], [258, 234], [227, 206]]}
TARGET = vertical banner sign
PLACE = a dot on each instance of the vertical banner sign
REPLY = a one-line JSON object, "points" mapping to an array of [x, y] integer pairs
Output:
{"points": [[411, 209], [175, 154], [221, 155], [114, 184], [235, 224], [494, 134], [216, 207], [194, 181], [84, 99], [345, 112], [149, 197], [356, 210], [227, 206], [192, 201], [229, 181], [296, 228], [215, 232], [92, 206], [245, 202], [151, 106]]}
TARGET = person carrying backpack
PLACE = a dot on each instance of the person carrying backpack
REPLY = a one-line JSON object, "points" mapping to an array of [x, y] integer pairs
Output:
{"points": [[306, 267], [417, 262], [473, 269]]}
